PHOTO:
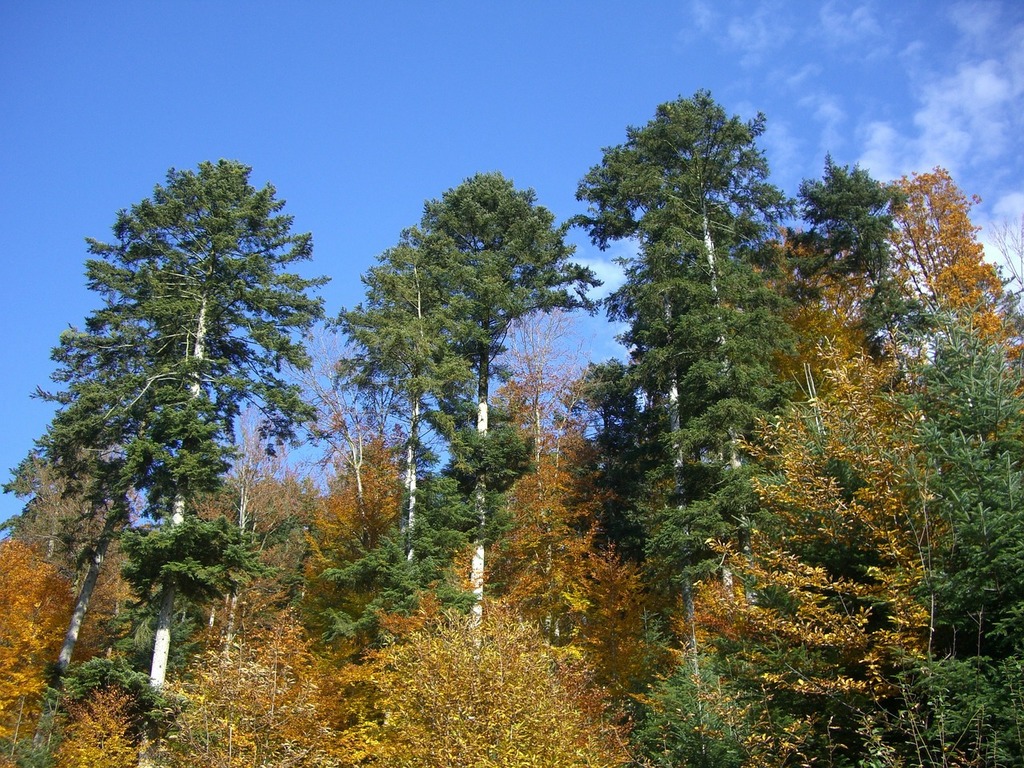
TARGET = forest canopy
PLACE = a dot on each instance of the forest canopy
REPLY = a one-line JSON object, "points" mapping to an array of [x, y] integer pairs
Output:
{"points": [[784, 529]]}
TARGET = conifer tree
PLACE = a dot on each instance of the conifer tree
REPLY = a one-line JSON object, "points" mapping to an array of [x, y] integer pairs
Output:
{"points": [[691, 188], [848, 245], [400, 338], [199, 311], [499, 257]]}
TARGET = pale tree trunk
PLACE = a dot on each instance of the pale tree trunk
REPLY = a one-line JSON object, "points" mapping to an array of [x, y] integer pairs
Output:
{"points": [[414, 435], [84, 596], [733, 444], [476, 579], [678, 469], [162, 638], [243, 523], [410, 478]]}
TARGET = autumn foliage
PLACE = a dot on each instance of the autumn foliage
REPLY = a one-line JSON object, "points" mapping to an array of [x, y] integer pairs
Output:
{"points": [[99, 732], [258, 702], [489, 695], [35, 604], [785, 529], [938, 256]]}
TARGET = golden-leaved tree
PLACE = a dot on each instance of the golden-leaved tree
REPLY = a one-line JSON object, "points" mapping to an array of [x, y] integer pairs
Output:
{"points": [[35, 603], [939, 260], [831, 612], [487, 695], [99, 732], [259, 703]]}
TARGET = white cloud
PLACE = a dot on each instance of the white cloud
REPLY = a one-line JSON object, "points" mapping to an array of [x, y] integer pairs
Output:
{"points": [[965, 114], [884, 155], [605, 267], [799, 78], [968, 117], [754, 30], [844, 25], [977, 22], [703, 15], [1009, 206], [828, 112], [787, 156]]}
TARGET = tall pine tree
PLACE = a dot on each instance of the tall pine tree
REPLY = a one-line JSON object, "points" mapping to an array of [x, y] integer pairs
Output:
{"points": [[199, 312], [691, 189]]}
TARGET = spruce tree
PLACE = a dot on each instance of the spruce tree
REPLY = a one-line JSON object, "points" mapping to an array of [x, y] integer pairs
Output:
{"points": [[691, 189], [199, 313], [400, 342], [499, 256]]}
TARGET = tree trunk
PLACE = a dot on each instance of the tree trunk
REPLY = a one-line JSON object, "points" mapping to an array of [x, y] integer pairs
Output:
{"points": [[410, 477], [84, 595], [162, 639], [480, 497]]}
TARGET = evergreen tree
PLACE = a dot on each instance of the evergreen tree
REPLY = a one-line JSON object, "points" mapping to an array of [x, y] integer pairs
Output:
{"points": [[966, 697], [199, 312], [848, 242], [499, 257], [400, 340], [691, 188]]}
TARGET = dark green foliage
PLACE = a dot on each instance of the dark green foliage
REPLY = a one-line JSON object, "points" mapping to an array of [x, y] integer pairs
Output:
{"points": [[690, 165], [503, 257], [379, 580], [203, 559], [973, 422], [198, 317], [146, 710], [682, 724], [498, 458], [691, 187], [972, 706], [628, 451], [447, 524], [850, 218]]}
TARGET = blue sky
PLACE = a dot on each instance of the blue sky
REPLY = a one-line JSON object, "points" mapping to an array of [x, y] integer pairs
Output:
{"points": [[359, 114]]}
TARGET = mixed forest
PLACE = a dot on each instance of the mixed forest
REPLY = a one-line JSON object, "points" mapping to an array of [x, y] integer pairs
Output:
{"points": [[785, 529]]}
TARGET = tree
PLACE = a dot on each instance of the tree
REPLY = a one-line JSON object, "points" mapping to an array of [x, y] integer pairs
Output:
{"points": [[967, 695], [845, 254], [939, 261], [99, 733], [508, 701], [691, 188], [258, 703], [354, 570], [837, 567], [401, 344], [69, 511], [199, 312], [500, 257], [34, 605]]}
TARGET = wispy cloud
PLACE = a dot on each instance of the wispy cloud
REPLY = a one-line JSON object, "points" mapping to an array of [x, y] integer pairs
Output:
{"points": [[827, 111], [607, 271], [977, 22], [754, 31], [1009, 207], [605, 265], [965, 116], [845, 25], [885, 151]]}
